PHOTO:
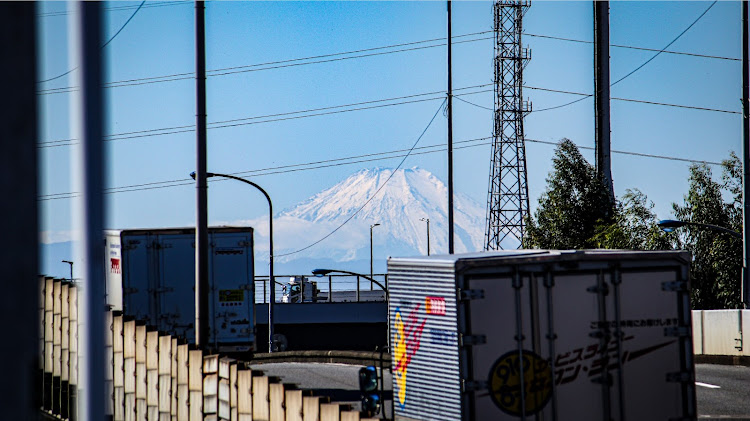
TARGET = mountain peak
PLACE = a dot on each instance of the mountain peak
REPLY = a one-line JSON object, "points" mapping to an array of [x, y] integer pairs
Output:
{"points": [[397, 200]]}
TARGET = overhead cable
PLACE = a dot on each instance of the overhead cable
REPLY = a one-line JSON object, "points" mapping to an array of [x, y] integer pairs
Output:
{"points": [[105, 44], [312, 112], [376, 191], [639, 67], [350, 160], [279, 64]]}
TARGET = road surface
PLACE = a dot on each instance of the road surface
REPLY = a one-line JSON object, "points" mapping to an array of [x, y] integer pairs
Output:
{"points": [[723, 392], [339, 381]]}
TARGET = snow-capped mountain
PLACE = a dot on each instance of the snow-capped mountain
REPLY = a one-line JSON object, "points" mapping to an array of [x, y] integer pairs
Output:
{"points": [[396, 200]]}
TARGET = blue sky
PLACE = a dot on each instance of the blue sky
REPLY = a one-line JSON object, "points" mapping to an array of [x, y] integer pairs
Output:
{"points": [[158, 41]]}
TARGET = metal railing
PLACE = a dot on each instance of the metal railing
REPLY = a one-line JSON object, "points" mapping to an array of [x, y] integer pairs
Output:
{"points": [[332, 288]]}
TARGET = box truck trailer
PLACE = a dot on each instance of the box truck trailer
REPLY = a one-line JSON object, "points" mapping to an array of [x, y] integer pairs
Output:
{"points": [[542, 335], [151, 276]]}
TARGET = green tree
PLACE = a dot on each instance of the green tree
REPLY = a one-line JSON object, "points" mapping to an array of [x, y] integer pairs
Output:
{"points": [[717, 258], [575, 203], [634, 226]]}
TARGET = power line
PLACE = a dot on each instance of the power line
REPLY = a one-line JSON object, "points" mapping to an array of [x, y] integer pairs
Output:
{"points": [[350, 160], [312, 112], [667, 46], [644, 155], [317, 60], [471, 103], [665, 51], [640, 101], [337, 109], [118, 8], [280, 64], [376, 191], [105, 44], [637, 68]]}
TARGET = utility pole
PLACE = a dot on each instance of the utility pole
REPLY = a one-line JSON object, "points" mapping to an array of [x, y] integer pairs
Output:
{"points": [[450, 136], [19, 321], [745, 159], [602, 95], [89, 118], [201, 185]]}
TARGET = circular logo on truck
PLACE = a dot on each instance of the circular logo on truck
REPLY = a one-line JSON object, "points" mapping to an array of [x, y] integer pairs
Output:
{"points": [[511, 390]]}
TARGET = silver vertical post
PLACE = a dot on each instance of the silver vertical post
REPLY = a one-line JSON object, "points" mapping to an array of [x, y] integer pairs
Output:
{"points": [[89, 119], [18, 214]]}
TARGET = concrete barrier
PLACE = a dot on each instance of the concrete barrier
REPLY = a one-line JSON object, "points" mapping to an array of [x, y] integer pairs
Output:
{"points": [[154, 377], [722, 336]]}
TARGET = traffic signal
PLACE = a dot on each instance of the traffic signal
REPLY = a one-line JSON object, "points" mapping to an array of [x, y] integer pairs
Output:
{"points": [[368, 387]]}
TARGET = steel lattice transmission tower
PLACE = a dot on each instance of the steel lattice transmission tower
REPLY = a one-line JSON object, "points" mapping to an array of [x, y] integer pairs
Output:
{"points": [[508, 197]]}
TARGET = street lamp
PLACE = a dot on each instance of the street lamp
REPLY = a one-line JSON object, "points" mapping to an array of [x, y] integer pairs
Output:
{"points": [[669, 225], [428, 233], [323, 272], [371, 227], [272, 292], [71, 268]]}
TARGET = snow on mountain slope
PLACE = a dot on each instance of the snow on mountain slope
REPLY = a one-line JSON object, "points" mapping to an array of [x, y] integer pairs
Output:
{"points": [[409, 195]]}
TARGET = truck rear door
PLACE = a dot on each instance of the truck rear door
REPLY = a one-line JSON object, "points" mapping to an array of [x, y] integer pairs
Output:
{"points": [[233, 298]]}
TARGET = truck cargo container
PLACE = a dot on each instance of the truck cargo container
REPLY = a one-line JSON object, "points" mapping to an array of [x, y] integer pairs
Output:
{"points": [[542, 335], [151, 276]]}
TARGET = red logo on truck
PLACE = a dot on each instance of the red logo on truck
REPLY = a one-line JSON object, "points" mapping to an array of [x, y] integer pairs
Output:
{"points": [[435, 305], [407, 337], [115, 265]]}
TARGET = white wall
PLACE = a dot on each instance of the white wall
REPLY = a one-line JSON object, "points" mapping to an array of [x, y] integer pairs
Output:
{"points": [[720, 332]]}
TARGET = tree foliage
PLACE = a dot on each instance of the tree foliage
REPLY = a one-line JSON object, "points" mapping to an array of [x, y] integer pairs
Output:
{"points": [[576, 212], [575, 202], [716, 270]]}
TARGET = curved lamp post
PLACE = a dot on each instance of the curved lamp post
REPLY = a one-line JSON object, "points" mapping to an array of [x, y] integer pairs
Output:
{"points": [[669, 225], [272, 292], [324, 272], [371, 227], [428, 233]]}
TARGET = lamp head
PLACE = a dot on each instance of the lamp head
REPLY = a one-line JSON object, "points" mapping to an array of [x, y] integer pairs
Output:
{"points": [[374, 225], [208, 174], [669, 225], [321, 272], [425, 219]]}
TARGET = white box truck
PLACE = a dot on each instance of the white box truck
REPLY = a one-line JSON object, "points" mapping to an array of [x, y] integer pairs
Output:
{"points": [[542, 335], [151, 276]]}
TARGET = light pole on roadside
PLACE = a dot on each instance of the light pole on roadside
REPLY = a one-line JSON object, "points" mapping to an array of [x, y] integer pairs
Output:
{"points": [[71, 268], [371, 227], [669, 225], [272, 293], [324, 272], [428, 233]]}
